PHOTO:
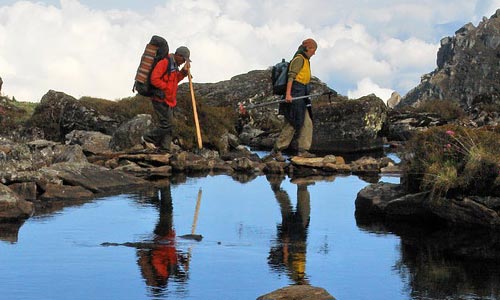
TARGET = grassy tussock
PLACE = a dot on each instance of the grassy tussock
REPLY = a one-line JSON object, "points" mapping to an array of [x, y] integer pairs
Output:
{"points": [[453, 160]]}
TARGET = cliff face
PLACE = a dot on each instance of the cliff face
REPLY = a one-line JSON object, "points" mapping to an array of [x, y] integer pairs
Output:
{"points": [[468, 67]]}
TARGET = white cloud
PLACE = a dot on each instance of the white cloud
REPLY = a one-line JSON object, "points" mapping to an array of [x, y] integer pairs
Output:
{"points": [[409, 54], [366, 87], [86, 48]]}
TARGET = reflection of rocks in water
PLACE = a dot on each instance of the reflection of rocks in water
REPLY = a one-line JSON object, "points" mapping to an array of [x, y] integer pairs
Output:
{"points": [[243, 177], [49, 208], [447, 263], [9, 231], [370, 178]]}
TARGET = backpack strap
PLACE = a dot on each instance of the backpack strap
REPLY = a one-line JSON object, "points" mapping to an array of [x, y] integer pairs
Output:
{"points": [[171, 65]]}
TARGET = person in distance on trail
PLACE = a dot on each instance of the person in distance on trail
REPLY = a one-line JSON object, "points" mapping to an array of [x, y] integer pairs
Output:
{"points": [[166, 77], [297, 113]]}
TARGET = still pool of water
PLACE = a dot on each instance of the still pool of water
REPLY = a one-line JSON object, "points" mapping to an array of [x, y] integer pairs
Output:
{"points": [[257, 237]]}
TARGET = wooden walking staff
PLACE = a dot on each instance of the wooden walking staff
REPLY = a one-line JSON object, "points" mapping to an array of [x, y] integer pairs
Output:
{"points": [[195, 113]]}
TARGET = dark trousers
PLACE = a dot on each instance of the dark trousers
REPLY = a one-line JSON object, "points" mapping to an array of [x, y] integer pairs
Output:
{"points": [[161, 136]]}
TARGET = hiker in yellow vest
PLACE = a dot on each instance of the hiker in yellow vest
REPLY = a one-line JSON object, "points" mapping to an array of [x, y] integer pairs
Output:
{"points": [[297, 113]]}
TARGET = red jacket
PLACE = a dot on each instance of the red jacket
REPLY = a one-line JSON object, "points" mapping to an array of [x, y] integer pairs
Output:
{"points": [[166, 82]]}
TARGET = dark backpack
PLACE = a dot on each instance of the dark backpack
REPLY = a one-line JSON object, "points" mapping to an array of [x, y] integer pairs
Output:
{"points": [[156, 50], [279, 77]]}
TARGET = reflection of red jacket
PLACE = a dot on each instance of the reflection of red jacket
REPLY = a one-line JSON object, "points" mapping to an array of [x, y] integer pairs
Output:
{"points": [[164, 258], [161, 79]]}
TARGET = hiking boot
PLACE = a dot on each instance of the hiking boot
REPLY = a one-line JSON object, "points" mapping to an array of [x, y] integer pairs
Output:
{"points": [[278, 156], [147, 145], [305, 154]]}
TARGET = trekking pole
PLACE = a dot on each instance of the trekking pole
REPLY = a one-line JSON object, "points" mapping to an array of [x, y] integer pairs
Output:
{"points": [[195, 113], [283, 100]]}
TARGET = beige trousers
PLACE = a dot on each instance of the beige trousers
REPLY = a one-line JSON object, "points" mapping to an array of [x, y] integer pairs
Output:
{"points": [[304, 139]]}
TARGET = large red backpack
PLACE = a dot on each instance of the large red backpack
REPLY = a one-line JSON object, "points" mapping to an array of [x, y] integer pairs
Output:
{"points": [[156, 50]]}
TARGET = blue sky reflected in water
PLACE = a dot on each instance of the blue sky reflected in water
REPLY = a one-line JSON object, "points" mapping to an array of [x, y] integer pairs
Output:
{"points": [[245, 251]]}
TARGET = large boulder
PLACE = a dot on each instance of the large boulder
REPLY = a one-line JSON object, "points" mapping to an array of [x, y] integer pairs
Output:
{"points": [[387, 201], [349, 126], [92, 142], [250, 88], [394, 100], [129, 133], [58, 114]]}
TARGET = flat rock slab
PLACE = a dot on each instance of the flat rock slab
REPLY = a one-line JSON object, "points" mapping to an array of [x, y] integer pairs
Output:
{"points": [[95, 178], [65, 193], [314, 162]]}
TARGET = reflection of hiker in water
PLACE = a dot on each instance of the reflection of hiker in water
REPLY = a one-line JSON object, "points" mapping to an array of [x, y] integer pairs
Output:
{"points": [[162, 260], [289, 253]]}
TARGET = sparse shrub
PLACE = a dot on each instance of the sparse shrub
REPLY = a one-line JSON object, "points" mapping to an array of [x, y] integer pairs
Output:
{"points": [[447, 109], [120, 110], [214, 122], [453, 160], [489, 108]]}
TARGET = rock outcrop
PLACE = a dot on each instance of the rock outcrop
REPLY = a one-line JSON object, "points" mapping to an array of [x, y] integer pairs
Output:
{"points": [[402, 125], [394, 100], [340, 126], [349, 126], [468, 67], [250, 88], [58, 114], [386, 201]]}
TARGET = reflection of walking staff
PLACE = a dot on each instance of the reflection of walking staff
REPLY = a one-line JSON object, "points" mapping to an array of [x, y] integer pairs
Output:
{"points": [[195, 113], [193, 227], [196, 211], [193, 235]]}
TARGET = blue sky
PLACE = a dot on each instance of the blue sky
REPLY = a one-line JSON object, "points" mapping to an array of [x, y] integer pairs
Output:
{"points": [[92, 47]]}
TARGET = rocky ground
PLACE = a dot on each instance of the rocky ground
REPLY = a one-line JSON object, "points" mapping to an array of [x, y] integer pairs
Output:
{"points": [[85, 166]]}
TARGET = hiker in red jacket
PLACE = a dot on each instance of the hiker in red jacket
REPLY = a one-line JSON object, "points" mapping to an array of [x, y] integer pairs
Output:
{"points": [[166, 77]]}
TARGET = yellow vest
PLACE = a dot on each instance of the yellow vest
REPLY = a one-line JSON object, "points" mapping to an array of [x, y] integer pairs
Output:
{"points": [[304, 75]]}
